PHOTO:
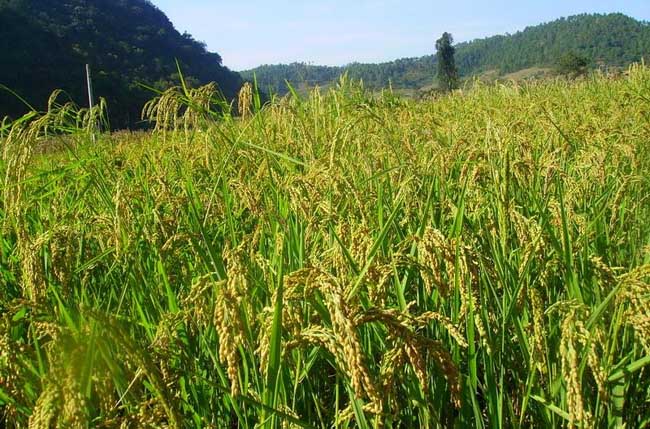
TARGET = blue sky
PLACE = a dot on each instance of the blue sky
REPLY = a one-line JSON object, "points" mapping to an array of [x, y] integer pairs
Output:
{"points": [[248, 33]]}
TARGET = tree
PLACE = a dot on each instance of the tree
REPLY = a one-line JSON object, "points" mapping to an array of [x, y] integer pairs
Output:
{"points": [[447, 71], [572, 64]]}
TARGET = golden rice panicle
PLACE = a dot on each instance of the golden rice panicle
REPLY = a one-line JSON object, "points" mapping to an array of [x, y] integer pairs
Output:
{"points": [[33, 279], [295, 292], [75, 409], [298, 287], [574, 333], [529, 234], [379, 279], [150, 415], [418, 364], [635, 291], [571, 374], [343, 418], [231, 296], [198, 301], [605, 273], [104, 390], [448, 369], [164, 110], [120, 219], [46, 410], [594, 343], [336, 255], [538, 351], [12, 373], [461, 264], [468, 273], [447, 323], [418, 348], [248, 196], [62, 251], [392, 363], [433, 244], [17, 154], [346, 335], [264, 339], [245, 100], [320, 336], [62, 401], [229, 328], [361, 243], [138, 357]]}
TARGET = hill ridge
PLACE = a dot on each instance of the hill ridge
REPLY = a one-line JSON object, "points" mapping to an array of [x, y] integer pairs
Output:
{"points": [[612, 39], [46, 44]]}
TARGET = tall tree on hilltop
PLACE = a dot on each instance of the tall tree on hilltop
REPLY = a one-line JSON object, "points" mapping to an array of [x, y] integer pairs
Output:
{"points": [[447, 71]]}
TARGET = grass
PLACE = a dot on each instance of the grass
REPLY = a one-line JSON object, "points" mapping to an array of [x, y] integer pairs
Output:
{"points": [[342, 259]]}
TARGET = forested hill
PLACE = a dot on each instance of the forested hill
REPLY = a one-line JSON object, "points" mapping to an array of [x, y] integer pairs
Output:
{"points": [[45, 44], [613, 40]]}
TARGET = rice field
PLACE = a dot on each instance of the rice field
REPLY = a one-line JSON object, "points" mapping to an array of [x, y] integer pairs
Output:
{"points": [[344, 259]]}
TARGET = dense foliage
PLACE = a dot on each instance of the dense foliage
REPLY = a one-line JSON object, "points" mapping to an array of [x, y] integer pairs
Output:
{"points": [[45, 45], [612, 40], [447, 71], [572, 64], [348, 260]]}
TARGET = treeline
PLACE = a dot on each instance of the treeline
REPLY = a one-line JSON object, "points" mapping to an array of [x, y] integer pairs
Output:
{"points": [[404, 73], [613, 40], [45, 45]]}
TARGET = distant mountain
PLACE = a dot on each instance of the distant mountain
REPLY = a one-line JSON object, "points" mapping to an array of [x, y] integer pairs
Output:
{"points": [[611, 40], [45, 44]]}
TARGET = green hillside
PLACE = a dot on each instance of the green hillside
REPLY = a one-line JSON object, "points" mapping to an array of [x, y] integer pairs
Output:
{"points": [[45, 45], [607, 40]]}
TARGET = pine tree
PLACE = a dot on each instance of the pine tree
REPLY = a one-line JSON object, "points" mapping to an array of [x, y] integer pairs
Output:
{"points": [[447, 71]]}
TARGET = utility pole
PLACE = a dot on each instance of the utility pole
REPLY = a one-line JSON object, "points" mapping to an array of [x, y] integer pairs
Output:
{"points": [[91, 100]]}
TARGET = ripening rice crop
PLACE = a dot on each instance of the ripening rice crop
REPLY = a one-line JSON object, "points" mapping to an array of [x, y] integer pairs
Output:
{"points": [[344, 259]]}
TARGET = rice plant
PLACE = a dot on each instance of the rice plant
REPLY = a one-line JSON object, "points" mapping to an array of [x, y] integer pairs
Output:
{"points": [[345, 259]]}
